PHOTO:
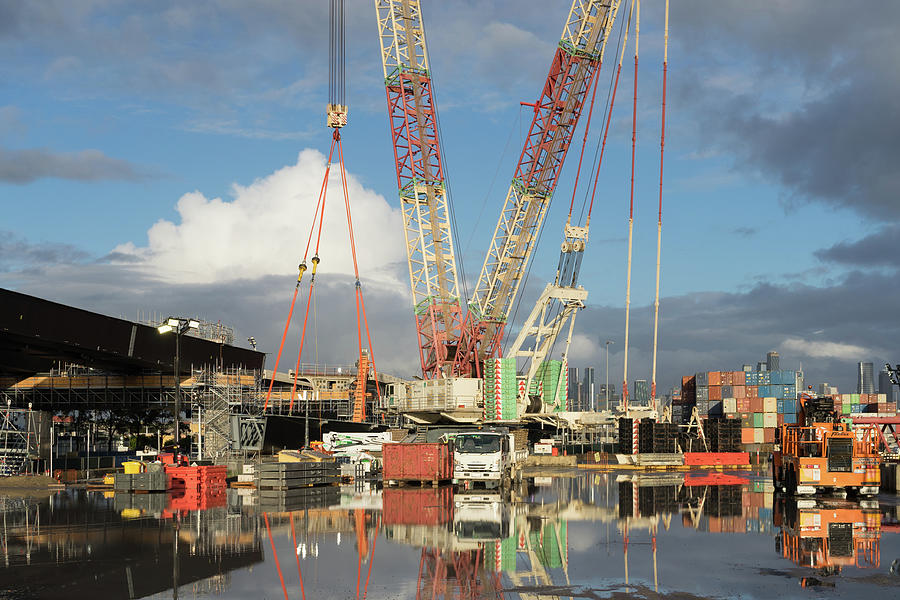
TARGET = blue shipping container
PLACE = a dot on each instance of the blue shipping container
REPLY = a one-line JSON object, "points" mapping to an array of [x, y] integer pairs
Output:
{"points": [[790, 418], [780, 408]]}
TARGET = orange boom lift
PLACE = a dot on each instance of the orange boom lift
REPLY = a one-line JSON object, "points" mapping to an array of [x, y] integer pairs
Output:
{"points": [[822, 452]]}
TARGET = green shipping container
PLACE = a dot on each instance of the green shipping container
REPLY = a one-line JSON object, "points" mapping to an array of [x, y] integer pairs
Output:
{"points": [[845, 409], [758, 420]]}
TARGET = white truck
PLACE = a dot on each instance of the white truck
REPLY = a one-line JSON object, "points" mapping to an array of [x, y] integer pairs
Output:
{"points": [[487, 458], [481, 517]]}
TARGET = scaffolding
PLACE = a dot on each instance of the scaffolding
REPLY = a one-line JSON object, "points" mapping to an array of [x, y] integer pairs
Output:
{"points": [[217, 396], [19, 440]]}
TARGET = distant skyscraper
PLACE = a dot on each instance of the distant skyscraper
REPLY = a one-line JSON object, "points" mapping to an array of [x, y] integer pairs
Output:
{"points": [[761, 366], [641, 391], [886, 387], [587, 389], [824, 389], [865, 383], [773, 362], [601, 395], [572, 396]]}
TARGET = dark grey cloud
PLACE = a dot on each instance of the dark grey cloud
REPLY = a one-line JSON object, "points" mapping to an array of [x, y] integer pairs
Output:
{"points": [[879, 249], [827, 329], [18, 253], [25, 166], [798, 92]]}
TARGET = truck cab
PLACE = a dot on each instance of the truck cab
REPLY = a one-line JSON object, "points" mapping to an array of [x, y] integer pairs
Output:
{"points": [[481, 517], [485, 459]]}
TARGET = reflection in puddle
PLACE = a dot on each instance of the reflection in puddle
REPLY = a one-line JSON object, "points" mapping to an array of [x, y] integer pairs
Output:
{"points": [[558, 534]]}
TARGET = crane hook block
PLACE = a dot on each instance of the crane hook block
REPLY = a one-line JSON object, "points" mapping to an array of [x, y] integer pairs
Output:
{"points": [[302, 271], [336, 115], [315, 262]]}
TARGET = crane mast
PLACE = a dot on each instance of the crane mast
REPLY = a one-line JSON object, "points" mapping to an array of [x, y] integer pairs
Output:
{"points": [[556, 113], [420, 181]]}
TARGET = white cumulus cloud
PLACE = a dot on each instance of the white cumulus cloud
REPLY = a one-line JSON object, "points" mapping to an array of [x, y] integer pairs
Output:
{"points": [[818, 349], [263, 230]]}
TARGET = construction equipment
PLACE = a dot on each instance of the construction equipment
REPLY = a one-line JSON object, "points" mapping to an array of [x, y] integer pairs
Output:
{"points": [[827, 535], [451, 344], [824, 452]]}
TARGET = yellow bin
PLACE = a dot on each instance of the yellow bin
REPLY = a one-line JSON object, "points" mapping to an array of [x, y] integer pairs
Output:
{"points": [[132, 467]]}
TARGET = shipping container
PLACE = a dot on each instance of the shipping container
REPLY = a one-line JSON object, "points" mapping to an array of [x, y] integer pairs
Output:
{"points": [[418, 506], [770, 420], [770, 405], [756, 405], [729, 406], [752, 391], [747, 435], [702, 379], [702, 393], [758, 435], [769, 435], [714, 378], [790, 418], [739, 391], [715, 392], [727, 391], [758, 420], [417, 462], [738, 378], [747, 420]]}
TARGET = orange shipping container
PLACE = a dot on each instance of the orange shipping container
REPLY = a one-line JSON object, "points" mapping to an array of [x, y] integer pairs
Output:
{"points": [[738, 378], [756, 405], [769, 435], [743, 405], [715, 378], [739, 391], [746, 435], [715, 392], [752, 391]]}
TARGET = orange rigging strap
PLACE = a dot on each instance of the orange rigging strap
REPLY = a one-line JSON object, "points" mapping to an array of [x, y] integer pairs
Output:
{"points": [[275, 555]]}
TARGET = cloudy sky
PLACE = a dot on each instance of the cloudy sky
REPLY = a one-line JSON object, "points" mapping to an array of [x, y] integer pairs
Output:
{"points": [[166, 157]]}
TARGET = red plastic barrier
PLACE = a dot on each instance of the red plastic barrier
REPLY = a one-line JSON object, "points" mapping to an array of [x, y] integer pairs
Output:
{"points": [[716, 458], [694, 479]]}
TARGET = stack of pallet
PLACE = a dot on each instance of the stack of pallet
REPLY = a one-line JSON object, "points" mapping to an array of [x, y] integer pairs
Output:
{"points": [[298, 485], [551, 382], [140, 482], [625, 444], [500, 389], [723, 435], [197, 487]]}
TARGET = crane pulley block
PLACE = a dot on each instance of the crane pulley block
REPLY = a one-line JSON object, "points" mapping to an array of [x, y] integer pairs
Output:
{"points": [[336, 115]]}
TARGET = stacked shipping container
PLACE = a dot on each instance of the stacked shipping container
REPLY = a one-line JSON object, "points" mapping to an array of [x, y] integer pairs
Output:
{"points": [[762, 400]]}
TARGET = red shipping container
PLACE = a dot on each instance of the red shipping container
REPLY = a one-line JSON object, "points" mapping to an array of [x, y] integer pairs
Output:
{"points": [[743, 405], [418, 506], [417, 462], [738, 378], [769, 435], [687, 380], [739, 391], [746, 435], [780, 419], [757, 405], [715, 378], [752, 391], [715, 392]]}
